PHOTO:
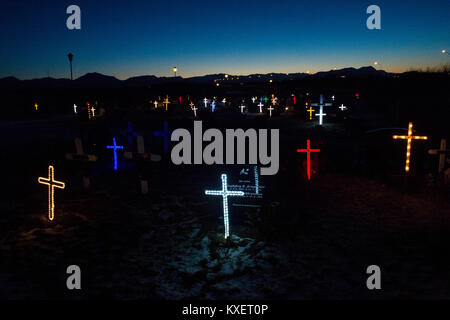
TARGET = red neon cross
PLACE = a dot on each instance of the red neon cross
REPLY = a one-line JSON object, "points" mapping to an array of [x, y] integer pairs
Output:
{"points": [[308, 151]]}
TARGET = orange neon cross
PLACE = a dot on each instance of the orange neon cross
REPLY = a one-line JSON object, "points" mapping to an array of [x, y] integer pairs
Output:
{"points": [[310, 110], [409, 137], [308, 151], [52, 184]]}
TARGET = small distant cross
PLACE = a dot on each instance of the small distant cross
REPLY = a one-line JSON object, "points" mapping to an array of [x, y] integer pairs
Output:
{"points": [[167, 102], [260, 105]]}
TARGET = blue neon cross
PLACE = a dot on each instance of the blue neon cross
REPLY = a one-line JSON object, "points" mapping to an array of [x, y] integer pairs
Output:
{"points": [[165, 135], [225, 194], [114, 147]]}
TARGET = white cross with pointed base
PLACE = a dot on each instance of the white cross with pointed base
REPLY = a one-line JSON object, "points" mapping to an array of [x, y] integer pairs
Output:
{"points": [[206, 102], [270, 108], [260, 105], [80, 156], [342, 107], [140, 155], [225, 193], [442, 153]]}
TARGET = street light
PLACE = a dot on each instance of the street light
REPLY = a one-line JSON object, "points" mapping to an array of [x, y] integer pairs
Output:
{"points": [[70, 60], [445, 51], [175, 71]]}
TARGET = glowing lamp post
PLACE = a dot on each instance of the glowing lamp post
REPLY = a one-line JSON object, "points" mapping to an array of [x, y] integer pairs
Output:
{"points": [[225, 193], [70, 56], [175, 69], [52, 184], [114, 147], [308, 151], [409, 138]]}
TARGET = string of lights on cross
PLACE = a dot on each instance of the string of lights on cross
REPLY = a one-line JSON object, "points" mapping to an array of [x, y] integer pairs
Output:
{"points": [[246, 187]]}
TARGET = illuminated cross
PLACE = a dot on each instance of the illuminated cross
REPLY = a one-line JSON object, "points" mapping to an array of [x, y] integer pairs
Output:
{"points": [[321, 104], [75, 109], [442, 152], [342, 107], [260, 105], [270, 108], [195, 111], [191, 104], [165, 135], [242, 108], [274, 100], [213, 106], [167, 102], [114, 147], [266, 99], [308, 151], [320, 115], [225, 194], [93, 112], [310, 110], [206, 102], [224, 100], [295, 99], [253, 99], [409, 138], [156, 104], [36, 106], [52, 184]]}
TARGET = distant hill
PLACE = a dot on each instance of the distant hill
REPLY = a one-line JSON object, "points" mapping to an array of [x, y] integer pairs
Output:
{"points": [[96, 80]]}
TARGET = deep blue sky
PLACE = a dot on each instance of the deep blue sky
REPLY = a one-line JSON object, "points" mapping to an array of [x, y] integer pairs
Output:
{"points": [[137, 37]]}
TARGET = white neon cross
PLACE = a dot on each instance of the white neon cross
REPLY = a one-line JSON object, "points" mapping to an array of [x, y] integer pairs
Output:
{"points": [[260, 105], [320, 115], [225, 194]]}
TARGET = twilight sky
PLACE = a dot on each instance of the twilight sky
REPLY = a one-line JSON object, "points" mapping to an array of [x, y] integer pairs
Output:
{"points": [[141, 37]]}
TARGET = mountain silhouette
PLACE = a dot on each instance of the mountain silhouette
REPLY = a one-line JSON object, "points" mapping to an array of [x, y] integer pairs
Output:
{"points": [[96, 80]]}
